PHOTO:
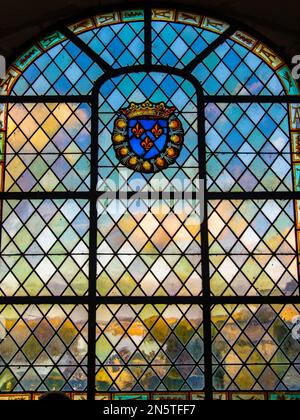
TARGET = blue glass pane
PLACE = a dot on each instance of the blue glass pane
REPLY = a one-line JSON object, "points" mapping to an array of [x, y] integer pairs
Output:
{"points": [[119, 45], [63, 70], [234, 70], [176, 45], [248, 147], [118, 93]]}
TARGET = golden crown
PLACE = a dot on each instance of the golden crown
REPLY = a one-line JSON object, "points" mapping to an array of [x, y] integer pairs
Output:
{"points": [[147, 109]]}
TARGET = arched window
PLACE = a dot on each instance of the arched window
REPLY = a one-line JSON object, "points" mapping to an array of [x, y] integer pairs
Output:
{"points": [[150, 218]]}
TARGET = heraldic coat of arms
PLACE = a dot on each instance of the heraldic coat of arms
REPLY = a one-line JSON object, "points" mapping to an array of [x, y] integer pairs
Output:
{"points": [[148, 137]]}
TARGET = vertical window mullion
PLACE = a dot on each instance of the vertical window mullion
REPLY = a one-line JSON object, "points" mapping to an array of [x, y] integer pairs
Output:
{"points": [[93, 252], [205, 251]]}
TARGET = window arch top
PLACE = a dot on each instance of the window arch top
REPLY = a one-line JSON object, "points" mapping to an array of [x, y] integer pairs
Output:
{"points": [[225, 59]]}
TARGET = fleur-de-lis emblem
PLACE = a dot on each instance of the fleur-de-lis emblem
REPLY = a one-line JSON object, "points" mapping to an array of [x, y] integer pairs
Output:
{"points": [[147, 144], [138, 130], [157, 131], [148, 137]]}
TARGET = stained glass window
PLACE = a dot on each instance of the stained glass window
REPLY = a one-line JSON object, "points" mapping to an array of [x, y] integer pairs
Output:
{"points": [[150, 234]]}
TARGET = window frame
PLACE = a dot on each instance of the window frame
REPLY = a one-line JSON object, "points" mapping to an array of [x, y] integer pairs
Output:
{"points": [[207, 300]]}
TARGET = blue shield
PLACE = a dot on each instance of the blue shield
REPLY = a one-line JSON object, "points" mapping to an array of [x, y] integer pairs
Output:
{"points": [[148, 137]]}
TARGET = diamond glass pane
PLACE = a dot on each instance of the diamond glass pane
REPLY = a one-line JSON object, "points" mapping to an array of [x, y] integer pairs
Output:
{"points": [[149, 347], [156, 87], [256, 347], [176, 45], [62, 70], [44, 248], [48, 147], [248, 147], [120, 45], [43, 348], [252, 246], [234, 70], [141, 269], [149, 248]]}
